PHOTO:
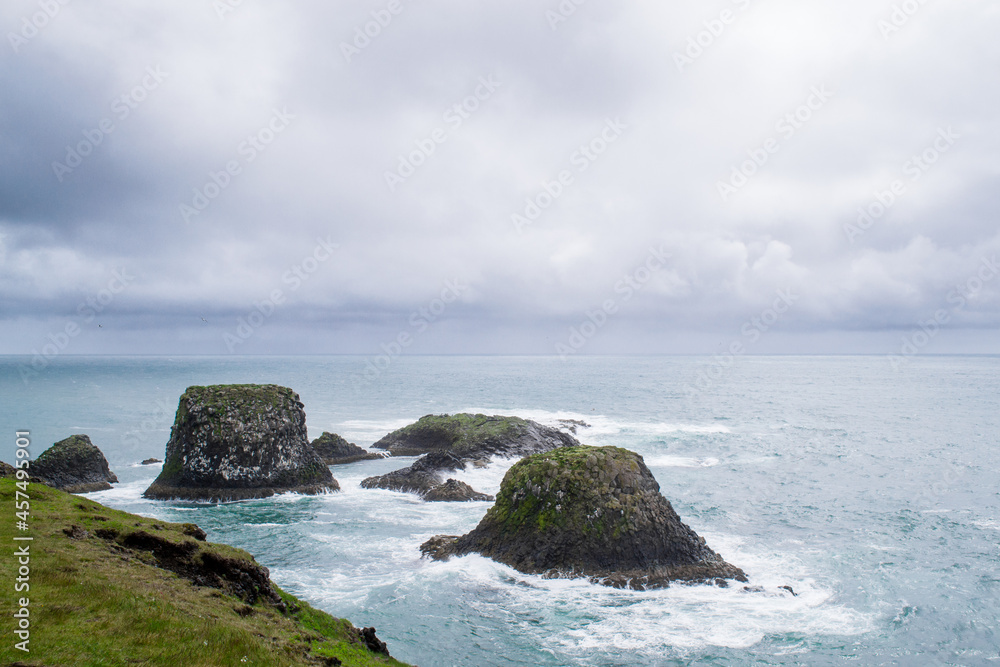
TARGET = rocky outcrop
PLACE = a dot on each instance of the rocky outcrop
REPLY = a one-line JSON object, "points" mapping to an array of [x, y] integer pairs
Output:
{"points": [[7, 470], [589, 512], [455, 491], [74, 465], [451, 442], [149, 462], [334, 450], [233, 442]]}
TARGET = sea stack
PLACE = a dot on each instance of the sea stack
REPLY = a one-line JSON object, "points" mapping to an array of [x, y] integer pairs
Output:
{"points": [[451, 442], [74, 465], [588, 512], [235, 442]]}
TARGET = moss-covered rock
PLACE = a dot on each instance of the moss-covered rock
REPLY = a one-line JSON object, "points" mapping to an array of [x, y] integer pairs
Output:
{"points": [[474, 436], [591, 512], [74, 465], [451, 442], [334, 450], [232, 442]]}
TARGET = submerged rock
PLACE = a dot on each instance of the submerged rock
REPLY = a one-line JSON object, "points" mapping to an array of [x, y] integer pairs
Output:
{"points": [[232, 442], [334, 450], [451, 442], [588, 512], [74, 465]]}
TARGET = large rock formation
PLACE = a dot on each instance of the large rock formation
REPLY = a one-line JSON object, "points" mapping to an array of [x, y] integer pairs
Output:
{"points": [[588, 512], [74, 465], [334, 450], [451, 442], [232, 442]]}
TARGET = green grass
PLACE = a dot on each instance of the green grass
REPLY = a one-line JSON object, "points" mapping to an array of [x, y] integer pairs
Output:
{"points": [[94, 602]]}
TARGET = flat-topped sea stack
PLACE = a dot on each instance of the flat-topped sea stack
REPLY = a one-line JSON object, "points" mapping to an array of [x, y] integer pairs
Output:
{"points": [[74, 465], [588, 512], [451, 442], [334, 450], [234, 442]]}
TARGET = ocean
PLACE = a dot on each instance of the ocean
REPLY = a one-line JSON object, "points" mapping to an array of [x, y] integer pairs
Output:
{"points": [[871, 491]]}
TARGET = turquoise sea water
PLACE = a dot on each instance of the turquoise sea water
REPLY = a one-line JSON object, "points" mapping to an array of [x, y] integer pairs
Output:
{"points": [[872, 492]]}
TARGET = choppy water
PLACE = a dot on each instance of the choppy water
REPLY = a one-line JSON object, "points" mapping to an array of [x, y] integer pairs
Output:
{"points": [[873, 493]]}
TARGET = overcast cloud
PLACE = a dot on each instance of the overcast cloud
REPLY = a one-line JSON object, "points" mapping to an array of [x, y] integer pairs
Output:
{"points": [[253, 164]]}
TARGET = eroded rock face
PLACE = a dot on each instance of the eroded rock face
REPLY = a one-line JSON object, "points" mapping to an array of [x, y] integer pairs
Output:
{"points": [[334, 450], [591, 512], [74, 465], [451, 442], [232, 442]]}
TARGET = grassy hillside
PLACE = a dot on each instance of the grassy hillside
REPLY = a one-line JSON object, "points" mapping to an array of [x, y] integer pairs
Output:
{"points": [[112, 588]]}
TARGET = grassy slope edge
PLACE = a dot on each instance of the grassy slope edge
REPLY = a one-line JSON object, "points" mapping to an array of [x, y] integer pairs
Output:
{"points": [[93, 602]]}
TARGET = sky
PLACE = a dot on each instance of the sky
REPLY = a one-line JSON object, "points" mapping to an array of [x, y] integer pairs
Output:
{"points": [[519, 177]]}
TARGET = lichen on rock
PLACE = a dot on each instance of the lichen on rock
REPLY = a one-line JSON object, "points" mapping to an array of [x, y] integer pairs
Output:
{"points": [[233, 442], [74, 465], [588, 512], [451, 442]]}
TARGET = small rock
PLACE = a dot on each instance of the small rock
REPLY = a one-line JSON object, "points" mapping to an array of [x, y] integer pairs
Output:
{"points": [[789, 589], [374, 644], [149, 462], [454, 491], [192, 530], [334, 450]]}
